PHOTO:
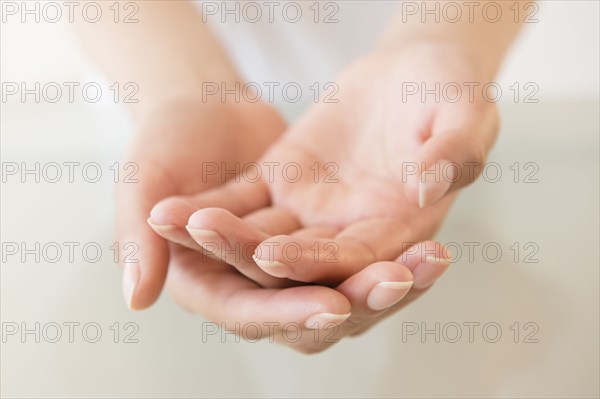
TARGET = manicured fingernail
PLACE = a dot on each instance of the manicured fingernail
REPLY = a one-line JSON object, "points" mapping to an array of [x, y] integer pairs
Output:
{"points": [[208, 239], [387, 293], [131, 277], [172, 232], [435, 259], [274, 268], [435, 182], [161, 227], [429, 271], [323, 321]]}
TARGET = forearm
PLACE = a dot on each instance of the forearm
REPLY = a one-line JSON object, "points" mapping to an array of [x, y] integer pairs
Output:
{"points": [[476, 34], [168, 53]]}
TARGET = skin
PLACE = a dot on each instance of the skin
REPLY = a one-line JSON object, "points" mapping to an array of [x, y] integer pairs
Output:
{"points": [[369, 244], [368, 210], [224, 296], [170, 150], [369, 214]]}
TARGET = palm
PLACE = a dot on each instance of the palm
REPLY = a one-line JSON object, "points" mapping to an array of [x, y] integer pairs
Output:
{"points": [[364, 147], [351, 193], [351, 169], [334, 186]]}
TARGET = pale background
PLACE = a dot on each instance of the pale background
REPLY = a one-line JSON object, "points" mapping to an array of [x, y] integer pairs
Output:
{"points": [[559, 214]]}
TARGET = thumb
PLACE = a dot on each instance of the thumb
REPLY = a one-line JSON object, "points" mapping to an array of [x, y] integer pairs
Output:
{"points": [[451, 158], [144, 254]]}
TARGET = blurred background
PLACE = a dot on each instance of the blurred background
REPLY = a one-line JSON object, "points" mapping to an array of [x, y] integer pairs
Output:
{"points": [[535, 304]]}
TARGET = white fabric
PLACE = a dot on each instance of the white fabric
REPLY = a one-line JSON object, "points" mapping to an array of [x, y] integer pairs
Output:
{"points": [[304, 51]]}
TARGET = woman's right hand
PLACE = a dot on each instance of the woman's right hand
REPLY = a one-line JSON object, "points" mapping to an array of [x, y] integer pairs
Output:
{"points": [[176, 150]]}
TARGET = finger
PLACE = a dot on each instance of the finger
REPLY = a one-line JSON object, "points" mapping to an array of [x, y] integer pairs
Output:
{"points": [[450, 159], [273, 220], [375, 289], [233, 240], [170, 216], [331, 261], [373, 298], [231, 300], [144, 272], [409, 298], [427, 261], [315, 232]]}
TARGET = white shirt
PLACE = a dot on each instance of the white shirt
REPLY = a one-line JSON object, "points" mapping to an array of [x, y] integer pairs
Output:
{"points": [[295, 42]]}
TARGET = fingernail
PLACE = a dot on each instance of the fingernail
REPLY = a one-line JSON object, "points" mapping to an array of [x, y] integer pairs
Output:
{"points": [[206, 237], [387, 293], [435, 259], [172, 232], [429, 271], [323, 321], [131, 277], [161, 227], [276, 269], [435, 182]]}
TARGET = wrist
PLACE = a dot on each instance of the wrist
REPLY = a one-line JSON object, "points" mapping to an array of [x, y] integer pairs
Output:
{"points": [[197, 93], [187, 108], [478, 62]]}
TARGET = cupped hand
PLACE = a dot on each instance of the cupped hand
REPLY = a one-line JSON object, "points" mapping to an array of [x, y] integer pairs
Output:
{"points": [[307, 318], [172, 149], [351, 183]]}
